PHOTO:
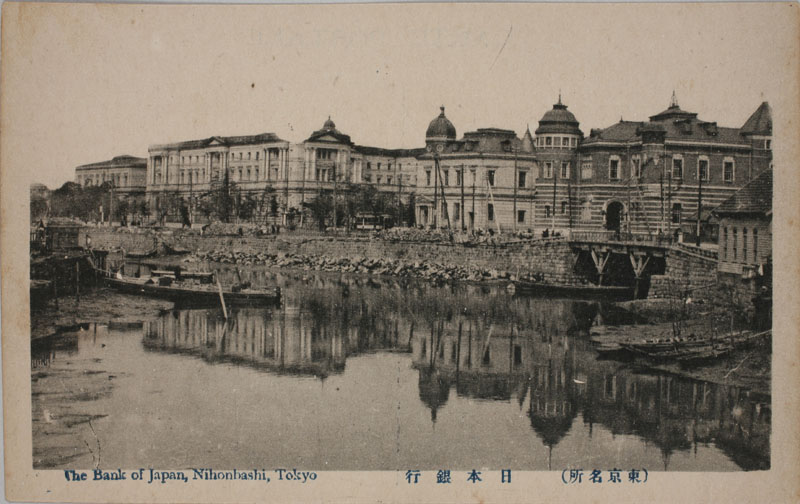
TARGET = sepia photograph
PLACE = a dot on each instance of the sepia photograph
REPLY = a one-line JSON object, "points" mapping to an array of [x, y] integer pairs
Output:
{"points": [[464, 248]]}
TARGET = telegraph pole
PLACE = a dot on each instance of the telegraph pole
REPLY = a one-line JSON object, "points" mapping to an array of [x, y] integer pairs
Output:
{"points": [[553, 230], [463, 208], [699, 202], [436, 191], [515, 182], [334, 195]]}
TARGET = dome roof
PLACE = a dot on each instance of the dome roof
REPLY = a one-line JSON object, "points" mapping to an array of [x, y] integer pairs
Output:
{"points": [[441, 128], [558, 120], [329, 124]]}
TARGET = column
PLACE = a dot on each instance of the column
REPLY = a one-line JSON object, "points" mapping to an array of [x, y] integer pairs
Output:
{"points": [[313, 173], [265, 169]]}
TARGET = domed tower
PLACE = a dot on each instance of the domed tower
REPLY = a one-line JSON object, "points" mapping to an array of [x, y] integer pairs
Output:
{"points": [[558, 129], [440, 132], [557, 140], [329, 124]]}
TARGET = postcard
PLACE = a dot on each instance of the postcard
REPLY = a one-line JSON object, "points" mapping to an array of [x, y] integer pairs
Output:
{"points": [[476, 252]]}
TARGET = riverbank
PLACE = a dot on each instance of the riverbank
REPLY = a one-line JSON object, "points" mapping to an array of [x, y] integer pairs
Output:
{"points": [[94, 305]]}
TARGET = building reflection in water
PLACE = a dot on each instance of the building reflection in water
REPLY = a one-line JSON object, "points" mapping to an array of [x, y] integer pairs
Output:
{"points": [[481, 345]]}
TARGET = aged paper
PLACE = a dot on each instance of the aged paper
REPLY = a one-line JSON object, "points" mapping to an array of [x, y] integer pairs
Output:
{"points": [[402, 233]]}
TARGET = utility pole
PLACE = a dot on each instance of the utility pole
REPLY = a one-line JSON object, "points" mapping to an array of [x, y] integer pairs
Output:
{"points": [[515, 183], [472, 223], [553, 230], [463, 208], [435, 191], [335, 177], [699, 202]]}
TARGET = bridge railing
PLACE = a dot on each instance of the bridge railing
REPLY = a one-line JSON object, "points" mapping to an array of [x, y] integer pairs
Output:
{"points": [[657, 240]]}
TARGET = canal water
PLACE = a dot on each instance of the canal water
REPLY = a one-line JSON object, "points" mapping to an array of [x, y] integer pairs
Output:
{"points": [[352, 373]]}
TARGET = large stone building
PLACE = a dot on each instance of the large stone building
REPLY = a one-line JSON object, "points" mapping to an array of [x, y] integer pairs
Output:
{"points": [[126, 173], [639, 176]]}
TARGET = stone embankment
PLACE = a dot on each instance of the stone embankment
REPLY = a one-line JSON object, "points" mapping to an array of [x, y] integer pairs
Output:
{"points": [[394, 267]]}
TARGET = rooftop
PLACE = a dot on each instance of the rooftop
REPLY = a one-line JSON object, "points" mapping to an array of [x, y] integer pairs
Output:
{"points": [[754, 198], [116, 162]]}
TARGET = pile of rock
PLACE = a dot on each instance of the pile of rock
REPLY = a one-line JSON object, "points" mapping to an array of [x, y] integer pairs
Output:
{"points": [[383, 266]]}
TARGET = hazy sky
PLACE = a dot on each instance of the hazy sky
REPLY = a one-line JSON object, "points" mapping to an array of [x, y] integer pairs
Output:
{"points": [[84, 83]]}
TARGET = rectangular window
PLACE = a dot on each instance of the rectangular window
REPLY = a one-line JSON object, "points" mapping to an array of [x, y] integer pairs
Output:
{"points": [[456, 211], [702, 169], [563, 207], [636, 168], [379, 166], [613, 169], [676, 213], [378, 179], [547, 211], [735, 247], [490, 212], [565, 142], [565, 170], [727, 171], [724, 245], [521, 216], [755, 245], [459, 178], [427, 177], [522, 179], [548, 141], [586, 170], [744, 244], [556, 141], [447, 177], [257, 156], [574, 142], [490, 177], [389, 179], [677, 168], [369, 166], [548, 170]]}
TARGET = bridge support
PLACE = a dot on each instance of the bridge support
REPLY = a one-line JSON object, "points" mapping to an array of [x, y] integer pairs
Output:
{"points": [[600, 263], [639, 263]]}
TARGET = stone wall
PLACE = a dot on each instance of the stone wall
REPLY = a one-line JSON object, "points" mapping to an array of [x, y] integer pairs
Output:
{"points": [[686, 268], [552, 259]]}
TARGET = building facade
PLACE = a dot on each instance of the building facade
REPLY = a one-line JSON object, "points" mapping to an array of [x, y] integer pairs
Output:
{"points": [[126, 173], [652, 176]]}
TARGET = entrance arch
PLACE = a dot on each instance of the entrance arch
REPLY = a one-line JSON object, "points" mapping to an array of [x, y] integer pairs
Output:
{"points": [[614, 211]]}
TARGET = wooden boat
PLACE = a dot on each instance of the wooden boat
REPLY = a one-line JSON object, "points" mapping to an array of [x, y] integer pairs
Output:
{"points": [[587, 291], [695, 349], [167, 287]]}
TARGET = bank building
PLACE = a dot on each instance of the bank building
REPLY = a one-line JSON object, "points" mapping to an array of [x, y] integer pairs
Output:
{"points": [[658, 176]]}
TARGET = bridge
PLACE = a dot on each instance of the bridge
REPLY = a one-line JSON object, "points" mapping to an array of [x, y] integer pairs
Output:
{"points": [[640, 248]]}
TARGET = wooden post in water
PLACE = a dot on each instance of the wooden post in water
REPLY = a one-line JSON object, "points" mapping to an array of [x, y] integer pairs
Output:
{"points": [[222, 301]]}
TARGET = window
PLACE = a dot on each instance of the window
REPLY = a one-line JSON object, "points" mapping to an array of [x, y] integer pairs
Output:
{"points": [[459, 178], [586, 170], [676, 213], [249, 154], [522, 179], [735, 248], [677, 167], [768, 144], [389, 179], [369, 166], [427, 177], [548, 169], [256, 173], [563, 207], [702, 168], [546, 211], [727, 170], [636, 167], [521, 216], [574, 142], [240, 155], [724, 245], [755, 245], [379, 166], [744, 244], [490, 212], [256, 156], [556, 141], [565, 142], [447, 178], [548, 141], [240, 174], [248, 173], [565, 170], [490, 177], [378, 179], [613, 168], [456, 211]]}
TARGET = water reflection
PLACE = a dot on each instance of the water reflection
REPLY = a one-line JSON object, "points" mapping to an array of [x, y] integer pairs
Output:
{"points": [[483, 371]]}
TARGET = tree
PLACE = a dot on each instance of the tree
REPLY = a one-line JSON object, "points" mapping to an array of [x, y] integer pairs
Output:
{"points": [[39, 208], [320, 207]]}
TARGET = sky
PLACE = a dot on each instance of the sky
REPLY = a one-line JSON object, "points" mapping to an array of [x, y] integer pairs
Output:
{"points": [[84, 83]]}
